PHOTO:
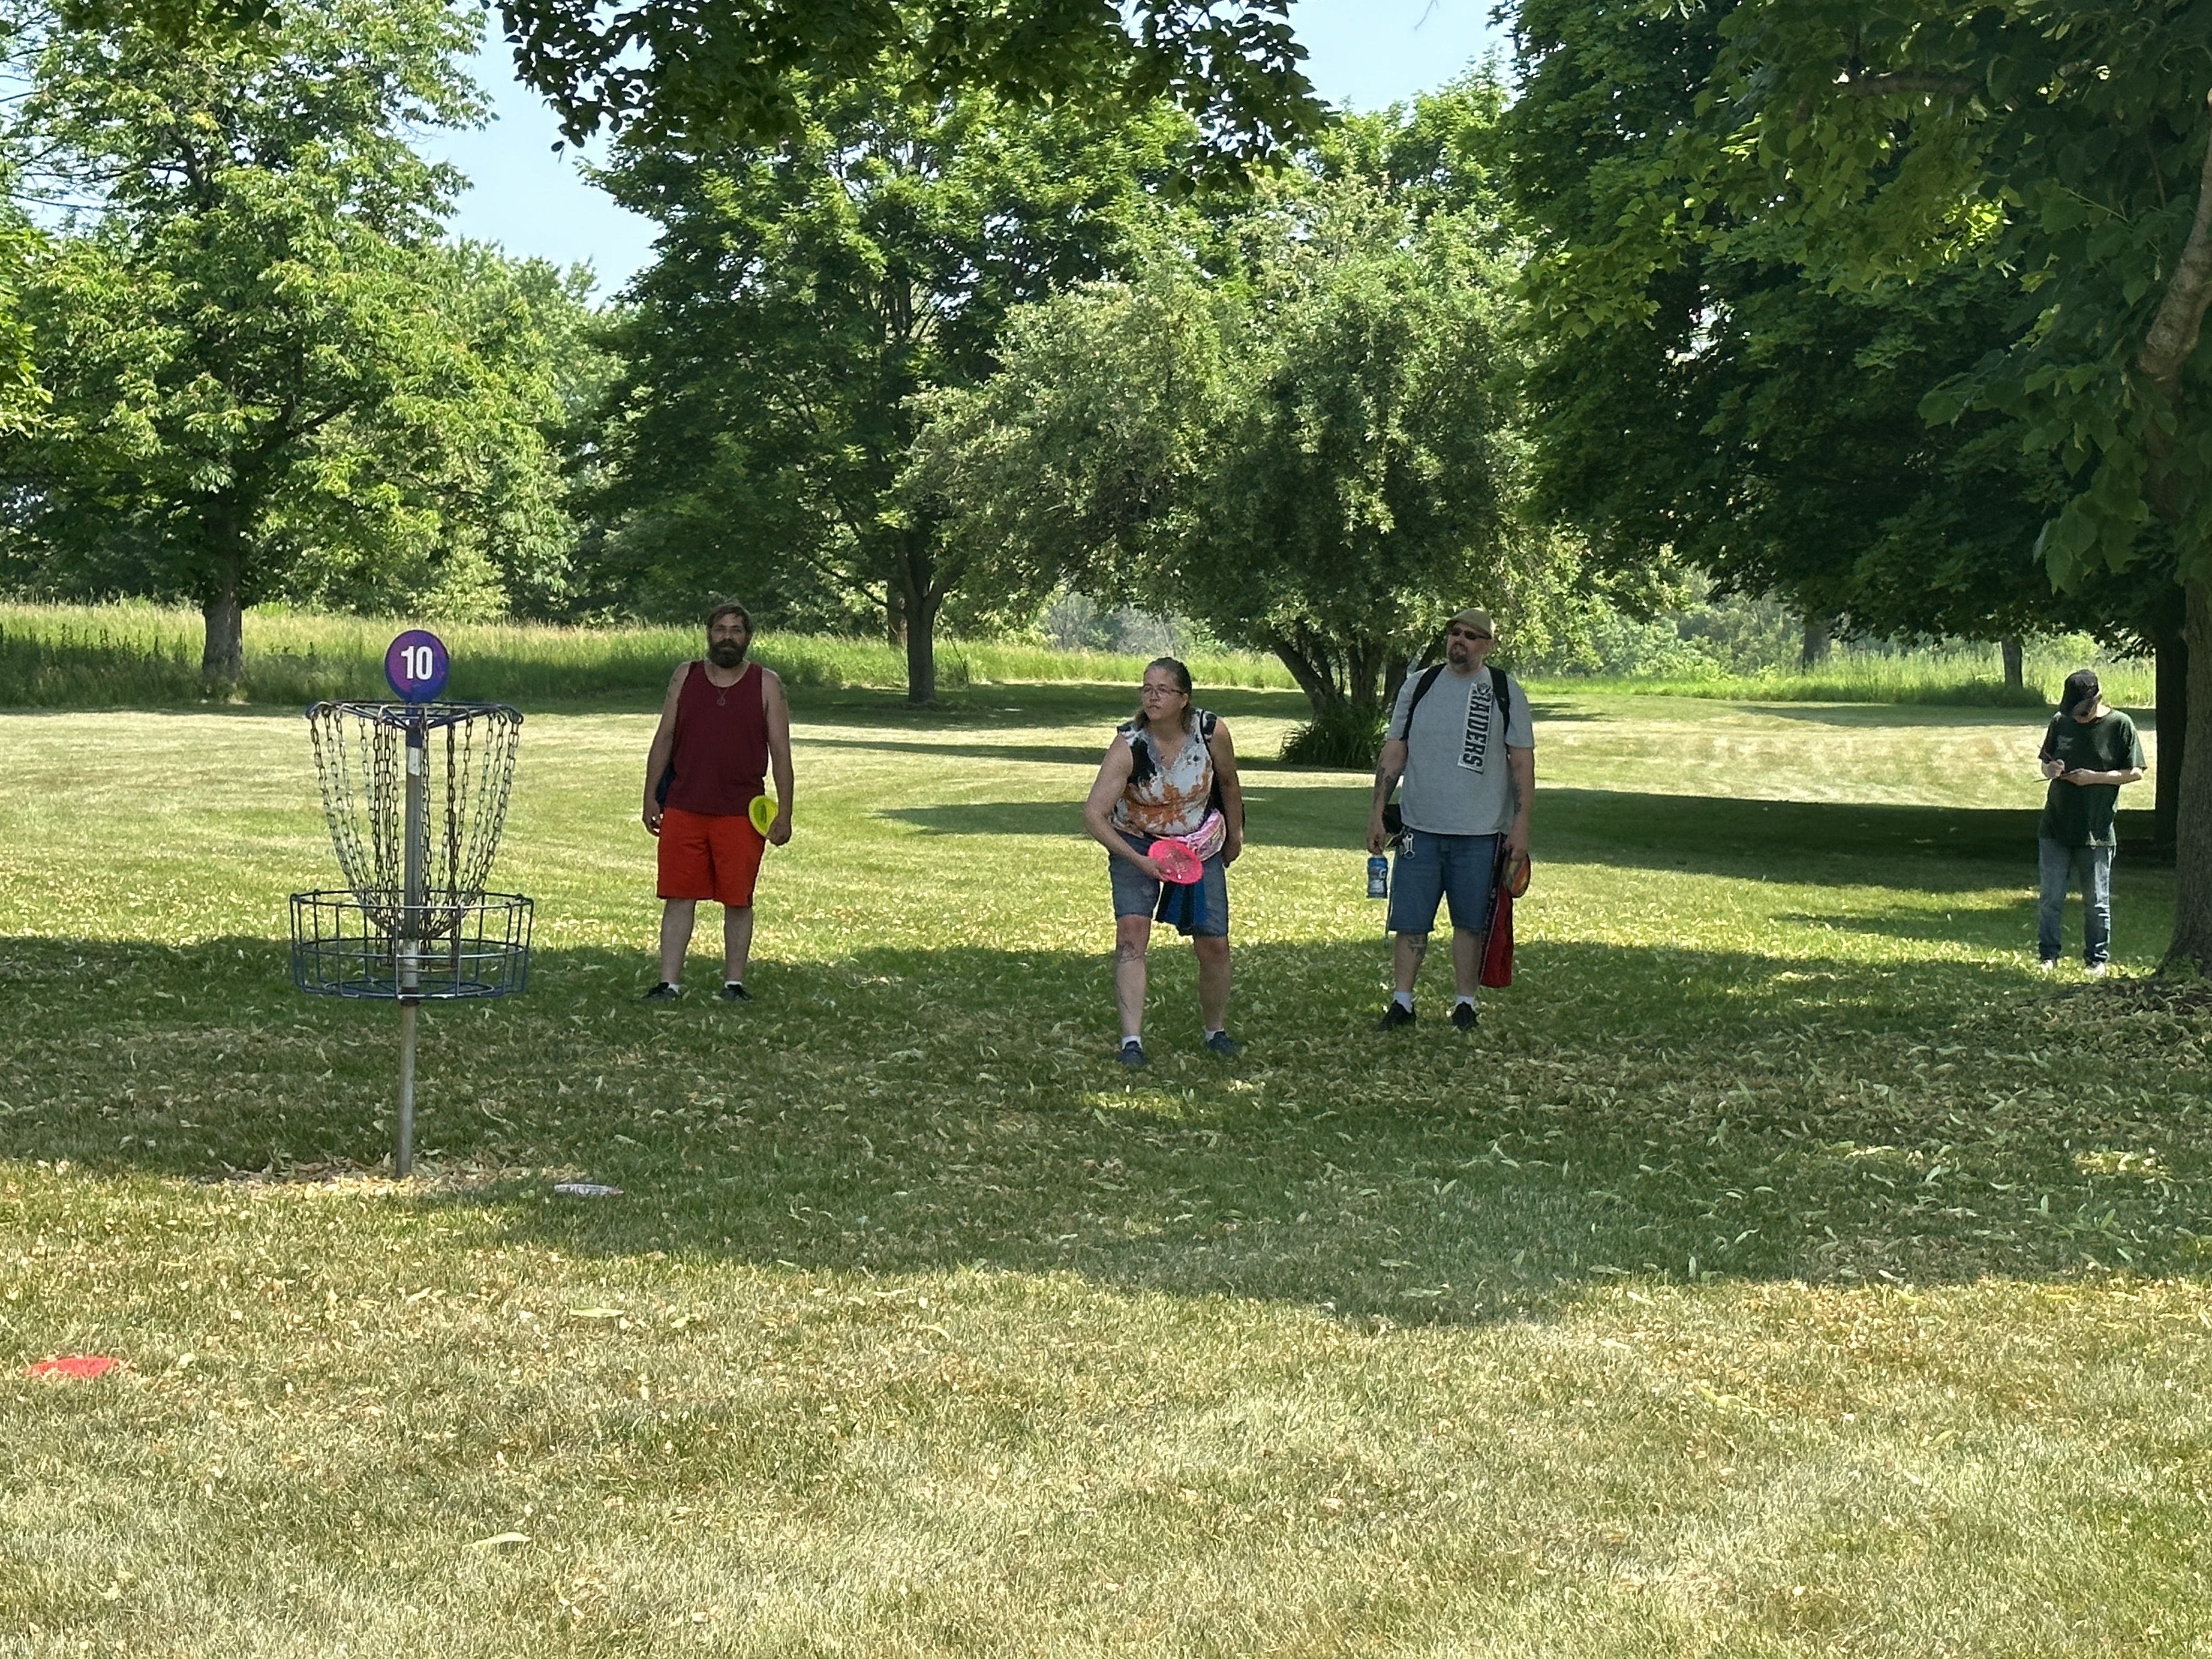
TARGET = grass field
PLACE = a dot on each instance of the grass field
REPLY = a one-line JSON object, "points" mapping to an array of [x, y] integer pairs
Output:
{"points": [[1785, 1268]]}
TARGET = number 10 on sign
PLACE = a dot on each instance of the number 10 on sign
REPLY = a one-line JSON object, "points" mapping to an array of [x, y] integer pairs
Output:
{"points": [[416, 664]]}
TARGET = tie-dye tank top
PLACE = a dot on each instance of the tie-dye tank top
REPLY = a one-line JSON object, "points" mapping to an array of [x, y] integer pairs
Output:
{"points": [[1173, 800]]}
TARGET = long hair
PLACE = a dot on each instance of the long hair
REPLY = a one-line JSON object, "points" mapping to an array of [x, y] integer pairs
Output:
{"points": [[1174, 665]]}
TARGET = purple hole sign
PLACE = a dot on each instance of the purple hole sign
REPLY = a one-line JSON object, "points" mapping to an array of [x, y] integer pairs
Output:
{"points": [[416, 664]]}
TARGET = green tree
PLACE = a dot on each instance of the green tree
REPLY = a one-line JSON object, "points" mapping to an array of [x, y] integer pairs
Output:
{"points": [[267, 376], [1751, 420], [803, 295], [1360, 485], [1307, 449], [2061, 144], [696, 77]]}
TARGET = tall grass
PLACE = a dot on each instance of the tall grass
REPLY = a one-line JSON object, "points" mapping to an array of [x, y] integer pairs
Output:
{"points": [[134, 655], [1957, 676]]}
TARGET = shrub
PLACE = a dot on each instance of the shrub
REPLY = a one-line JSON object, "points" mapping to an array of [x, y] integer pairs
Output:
{"points": [[1345, 739]]}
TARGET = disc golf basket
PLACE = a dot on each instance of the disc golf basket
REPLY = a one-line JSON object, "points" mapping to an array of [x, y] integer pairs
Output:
{"points": [[415, 794]]}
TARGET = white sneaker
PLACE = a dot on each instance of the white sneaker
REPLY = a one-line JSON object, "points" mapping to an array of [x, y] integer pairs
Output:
{"points": [[2095, 969], [2049, 964]]}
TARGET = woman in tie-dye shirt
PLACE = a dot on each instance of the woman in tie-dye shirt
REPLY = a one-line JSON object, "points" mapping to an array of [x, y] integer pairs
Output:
{"points": [[1165, 771]]}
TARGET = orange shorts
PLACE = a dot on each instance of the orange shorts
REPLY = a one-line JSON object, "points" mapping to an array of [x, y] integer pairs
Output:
{"points": [[705, 856]]}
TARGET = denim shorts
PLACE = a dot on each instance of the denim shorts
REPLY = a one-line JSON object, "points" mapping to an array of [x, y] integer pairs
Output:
{"points": [[1136, 894], [1430, 869]]}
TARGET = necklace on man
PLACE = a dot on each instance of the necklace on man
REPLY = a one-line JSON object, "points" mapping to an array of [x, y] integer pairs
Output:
{"points": [[722, 699]]}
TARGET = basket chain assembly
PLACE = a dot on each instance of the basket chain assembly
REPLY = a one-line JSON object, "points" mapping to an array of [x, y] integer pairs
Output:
{"points": [[415, 795]]}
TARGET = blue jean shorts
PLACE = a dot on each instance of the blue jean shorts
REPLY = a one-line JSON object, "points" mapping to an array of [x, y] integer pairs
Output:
{"points": [[1430, 869], [1136, 894]]}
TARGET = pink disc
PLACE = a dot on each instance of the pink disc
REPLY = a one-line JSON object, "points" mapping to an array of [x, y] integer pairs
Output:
{"points": [[1177, 862]]}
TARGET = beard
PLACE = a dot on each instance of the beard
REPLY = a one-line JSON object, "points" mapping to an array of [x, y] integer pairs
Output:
{"points": [[726, 654], [1458, 651]]}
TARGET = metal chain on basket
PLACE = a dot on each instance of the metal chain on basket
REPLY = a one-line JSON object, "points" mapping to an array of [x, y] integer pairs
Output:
{"points": [[360, 750], [334, 738]]}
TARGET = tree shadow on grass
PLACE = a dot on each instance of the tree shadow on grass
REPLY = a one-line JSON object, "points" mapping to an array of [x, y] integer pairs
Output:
{"points": [[1924, 848], [1646, 1113], [1109, 711]]}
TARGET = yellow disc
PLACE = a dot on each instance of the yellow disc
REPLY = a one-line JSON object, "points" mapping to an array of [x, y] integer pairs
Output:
{"points": [[761, 812]]}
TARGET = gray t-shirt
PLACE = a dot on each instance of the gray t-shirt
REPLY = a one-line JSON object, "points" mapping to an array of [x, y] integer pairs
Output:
{"points": [[1456, 780]]}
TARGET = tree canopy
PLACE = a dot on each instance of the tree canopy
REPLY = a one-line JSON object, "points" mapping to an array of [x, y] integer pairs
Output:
{"points": [[268, 376], [1299, 434], [748, 71], [2055, 147], [803, 295], [1754, 418]]}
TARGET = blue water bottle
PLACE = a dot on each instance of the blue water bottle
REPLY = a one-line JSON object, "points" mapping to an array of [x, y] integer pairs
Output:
{"points": [[1378, 877]]}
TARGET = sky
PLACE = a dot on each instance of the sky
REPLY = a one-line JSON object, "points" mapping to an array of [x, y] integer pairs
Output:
{"points": [[1363, 54]]}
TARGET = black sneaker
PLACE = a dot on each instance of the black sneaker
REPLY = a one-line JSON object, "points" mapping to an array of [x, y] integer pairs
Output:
{"points": [[734, 991], [1220, 1042], [663, 992], [1464, 1016], [1395, 1015], [1133, 1056]]}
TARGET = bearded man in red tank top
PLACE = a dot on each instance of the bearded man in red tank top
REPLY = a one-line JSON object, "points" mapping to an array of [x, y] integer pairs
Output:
{"points": [[724, 725]]}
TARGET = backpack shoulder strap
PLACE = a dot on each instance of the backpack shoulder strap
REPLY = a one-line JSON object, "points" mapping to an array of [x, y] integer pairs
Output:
{"points": [[1421, 689], [1206, 723], [1504, 697]]}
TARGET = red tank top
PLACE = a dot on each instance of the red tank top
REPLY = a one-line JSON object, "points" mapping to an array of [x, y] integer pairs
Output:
{"points": [[721, 744]]}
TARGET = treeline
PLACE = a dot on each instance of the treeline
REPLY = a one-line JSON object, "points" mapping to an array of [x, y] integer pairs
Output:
{"points": [[911, 361], [934, 337]]}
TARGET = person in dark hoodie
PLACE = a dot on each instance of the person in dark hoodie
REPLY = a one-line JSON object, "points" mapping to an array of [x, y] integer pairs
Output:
{"points": [[2088, 752]]}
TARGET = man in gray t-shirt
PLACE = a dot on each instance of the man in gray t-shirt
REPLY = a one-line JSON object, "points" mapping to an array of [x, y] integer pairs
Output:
{"points": [[1470, 773]]}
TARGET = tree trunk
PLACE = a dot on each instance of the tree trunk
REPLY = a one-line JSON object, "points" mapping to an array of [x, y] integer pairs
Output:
{"points": [[1365, 669], [222, 659], [1312, 678], [1394, 679], [922, 652], [2172, 695], [1815, 650], [2192, 860], [895, 613], [2009, 649]]}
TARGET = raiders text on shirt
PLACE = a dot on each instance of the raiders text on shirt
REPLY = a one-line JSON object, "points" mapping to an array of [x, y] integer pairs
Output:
{"points": [[1476, 744]]}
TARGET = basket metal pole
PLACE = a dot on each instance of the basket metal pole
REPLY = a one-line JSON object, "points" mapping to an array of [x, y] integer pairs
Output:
{"points": [[403, 1148], [410, 941]]}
